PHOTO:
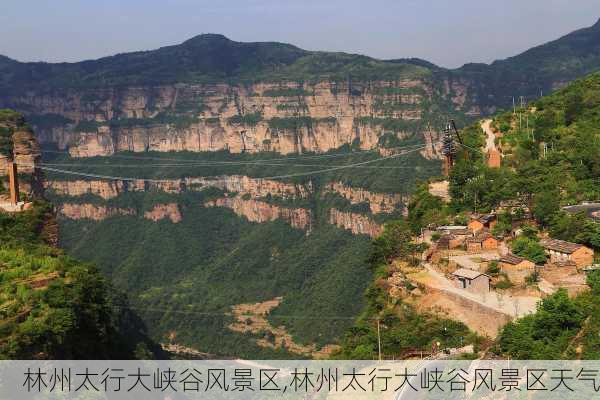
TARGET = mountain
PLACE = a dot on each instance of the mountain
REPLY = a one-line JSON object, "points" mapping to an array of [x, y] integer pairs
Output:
{"points": [[537, 71], [233, 189]]}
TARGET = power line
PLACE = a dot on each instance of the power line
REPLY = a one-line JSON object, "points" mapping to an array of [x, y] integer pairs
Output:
{"points": [[307, 157], [315, 172], [207, 165]]}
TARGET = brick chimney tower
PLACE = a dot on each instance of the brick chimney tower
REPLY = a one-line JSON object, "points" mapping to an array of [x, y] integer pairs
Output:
{"points": [[13, 183]]}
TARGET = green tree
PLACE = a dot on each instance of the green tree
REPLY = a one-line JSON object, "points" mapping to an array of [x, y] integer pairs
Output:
{"points": [[529, 249]]}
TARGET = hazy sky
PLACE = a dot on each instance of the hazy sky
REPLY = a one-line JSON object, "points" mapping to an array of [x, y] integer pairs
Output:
{"points": [[446, 32]]}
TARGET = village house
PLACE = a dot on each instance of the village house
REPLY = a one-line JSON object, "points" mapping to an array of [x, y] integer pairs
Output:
{"points": [[473, 281], [448, 242], [516, 268], [450, 229], [561, 251], [481, 242], [477, 224]]}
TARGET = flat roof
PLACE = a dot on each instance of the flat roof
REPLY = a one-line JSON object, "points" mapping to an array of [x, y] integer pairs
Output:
{"points": [[467, 273]]}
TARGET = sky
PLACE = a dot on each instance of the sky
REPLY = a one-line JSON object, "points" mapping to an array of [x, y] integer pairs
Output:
{"points": [[446, 32]]}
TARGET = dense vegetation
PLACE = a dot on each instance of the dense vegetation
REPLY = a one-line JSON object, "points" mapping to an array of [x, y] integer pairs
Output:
{"points": [[214, 259], [551, 160], [402, 328], [561, 328], [56, 307]]}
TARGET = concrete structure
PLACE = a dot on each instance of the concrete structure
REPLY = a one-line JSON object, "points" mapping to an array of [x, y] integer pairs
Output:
{"points": [[561, 251], [472, 281], [483, 241], [516, 268]]}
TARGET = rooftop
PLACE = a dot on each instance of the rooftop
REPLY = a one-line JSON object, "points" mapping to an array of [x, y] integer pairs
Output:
{"points": [[512, 259], [560, 245], [479, 238], [467, 273]]}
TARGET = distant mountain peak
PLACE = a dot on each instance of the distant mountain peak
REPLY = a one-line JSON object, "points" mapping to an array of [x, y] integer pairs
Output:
{"points": [[207, 37]]}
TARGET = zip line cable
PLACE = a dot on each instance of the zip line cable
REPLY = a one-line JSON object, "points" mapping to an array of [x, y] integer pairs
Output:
{"points": [[208, 165], [315, 172], [249, 162]]}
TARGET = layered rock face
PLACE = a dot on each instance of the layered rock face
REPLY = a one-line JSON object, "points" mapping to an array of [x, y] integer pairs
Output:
{"points": [[96, 212], [254, 187], [91, 211], [279, 117], [378, 202], [358, 224], [163, 211], [260, 211]]}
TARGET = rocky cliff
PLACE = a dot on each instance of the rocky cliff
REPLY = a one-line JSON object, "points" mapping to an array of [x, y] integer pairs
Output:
{"points": [[91, 211], [288, 117], [378, 202], [164, 211], [96, 212], [108, 189], [354, 222], [260, 211]]}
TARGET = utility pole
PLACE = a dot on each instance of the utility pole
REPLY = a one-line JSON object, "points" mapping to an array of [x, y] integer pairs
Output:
{"points": [[378, 339], [448, 150], [514, 107]]}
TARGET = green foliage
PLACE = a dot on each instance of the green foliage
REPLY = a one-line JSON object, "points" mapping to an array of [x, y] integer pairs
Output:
{"points": [[54, 306], [424, 209], [493, 268], [530, 249], [291, 123], [503, 284], [546, 334], [48, 121], [532, 278], [247, 119], [402, 328], [287, 92], [389, 124]]}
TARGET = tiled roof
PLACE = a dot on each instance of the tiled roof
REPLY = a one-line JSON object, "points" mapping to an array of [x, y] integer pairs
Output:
{"points": [[560, 245], [486, 219], [511, 259], [467, 273], [479, 238]]}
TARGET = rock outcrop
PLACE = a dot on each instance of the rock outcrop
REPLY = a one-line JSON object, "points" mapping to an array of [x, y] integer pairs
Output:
{"points": [[358, 224], [108, 189], [162, 211], [378, 202], [96, 212], [91, 211], [261, 211], [280, 117]]}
